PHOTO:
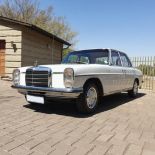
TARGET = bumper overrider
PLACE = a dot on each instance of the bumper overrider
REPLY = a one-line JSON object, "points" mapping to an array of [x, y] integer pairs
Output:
{"points": [[49, 92]]}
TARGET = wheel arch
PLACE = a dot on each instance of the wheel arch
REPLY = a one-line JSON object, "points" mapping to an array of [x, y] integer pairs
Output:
{"points": [[98, 83], [137, 80]]}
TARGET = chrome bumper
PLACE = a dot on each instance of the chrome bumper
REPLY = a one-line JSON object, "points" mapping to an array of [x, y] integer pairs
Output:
{"points": [[50, 92]]}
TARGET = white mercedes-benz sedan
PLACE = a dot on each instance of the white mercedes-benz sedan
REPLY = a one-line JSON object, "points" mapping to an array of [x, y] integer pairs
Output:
{"points": [[86, 75]]}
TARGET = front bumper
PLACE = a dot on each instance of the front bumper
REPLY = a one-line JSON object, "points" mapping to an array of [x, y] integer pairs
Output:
{"points": [[50, 92]]}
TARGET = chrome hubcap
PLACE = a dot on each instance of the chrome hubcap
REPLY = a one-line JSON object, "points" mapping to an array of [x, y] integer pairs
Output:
{"points": [[135, 88], [91, 97]]}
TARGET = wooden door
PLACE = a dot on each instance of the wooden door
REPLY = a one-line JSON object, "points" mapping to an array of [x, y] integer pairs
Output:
{"points": [[2, 57]]}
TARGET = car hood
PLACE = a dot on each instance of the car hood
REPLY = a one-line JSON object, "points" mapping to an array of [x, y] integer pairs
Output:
{"points": [[62, 67]]}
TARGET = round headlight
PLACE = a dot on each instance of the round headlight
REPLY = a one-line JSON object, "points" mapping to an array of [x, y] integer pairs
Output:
{"points": [[68, 77], [16, 77]]}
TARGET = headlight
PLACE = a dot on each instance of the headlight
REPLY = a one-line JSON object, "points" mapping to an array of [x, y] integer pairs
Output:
{"points": [[16, 77], [68, 77]]}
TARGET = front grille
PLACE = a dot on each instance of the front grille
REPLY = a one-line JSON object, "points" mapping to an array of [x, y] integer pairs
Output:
{"points": [[38, 77]]}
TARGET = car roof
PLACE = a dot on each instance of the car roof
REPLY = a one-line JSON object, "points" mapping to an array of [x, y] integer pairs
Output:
{"points": [[97, 49], [89, 50]]}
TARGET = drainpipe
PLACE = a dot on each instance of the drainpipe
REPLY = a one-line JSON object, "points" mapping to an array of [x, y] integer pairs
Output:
{"points": [[52, 48]]}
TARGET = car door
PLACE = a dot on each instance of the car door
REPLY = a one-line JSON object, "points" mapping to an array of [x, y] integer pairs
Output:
{"points": [[117, 74], [128, 70]]}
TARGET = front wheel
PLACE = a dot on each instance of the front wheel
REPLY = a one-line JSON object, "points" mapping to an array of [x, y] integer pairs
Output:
{"points": [[134, 92], [88, 101]]}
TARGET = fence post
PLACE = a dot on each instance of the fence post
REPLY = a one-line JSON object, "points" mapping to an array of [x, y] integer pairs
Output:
{"points": [[153, 62]]}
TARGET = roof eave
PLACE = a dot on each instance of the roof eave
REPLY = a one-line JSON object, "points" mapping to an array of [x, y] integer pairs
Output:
{"points": [[33, 27]]}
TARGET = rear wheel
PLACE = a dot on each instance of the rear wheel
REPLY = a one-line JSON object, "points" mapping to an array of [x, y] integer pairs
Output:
{"points": [[88, 101], [134, 92]]}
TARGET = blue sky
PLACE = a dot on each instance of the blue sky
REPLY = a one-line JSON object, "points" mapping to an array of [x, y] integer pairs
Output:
{"points": [[127, 25]]}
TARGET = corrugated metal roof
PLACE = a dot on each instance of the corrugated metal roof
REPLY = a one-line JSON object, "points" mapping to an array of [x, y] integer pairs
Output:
{"points": [[35, 28]]}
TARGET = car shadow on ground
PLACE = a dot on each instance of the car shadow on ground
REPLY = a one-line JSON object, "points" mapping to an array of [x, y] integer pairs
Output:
{"points": [[68, 108]]}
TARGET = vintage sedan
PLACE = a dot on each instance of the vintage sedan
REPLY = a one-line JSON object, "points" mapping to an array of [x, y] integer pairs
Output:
{"points": [[86, 75]]}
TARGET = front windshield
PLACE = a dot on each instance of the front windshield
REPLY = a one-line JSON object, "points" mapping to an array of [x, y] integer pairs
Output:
{"points": [[99, 56]]}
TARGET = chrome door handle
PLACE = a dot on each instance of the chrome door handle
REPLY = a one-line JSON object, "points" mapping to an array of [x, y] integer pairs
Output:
{"points": [[124, 71]]}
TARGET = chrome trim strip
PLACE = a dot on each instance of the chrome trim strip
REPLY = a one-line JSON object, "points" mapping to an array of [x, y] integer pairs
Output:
{"points": [[59, 93], [37, 78], [39, 74], [43, 89], [36, 82], [57, 72], [97, 74]]}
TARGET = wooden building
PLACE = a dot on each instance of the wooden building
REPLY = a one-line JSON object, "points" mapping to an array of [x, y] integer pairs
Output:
{"points": [[22, 44]]}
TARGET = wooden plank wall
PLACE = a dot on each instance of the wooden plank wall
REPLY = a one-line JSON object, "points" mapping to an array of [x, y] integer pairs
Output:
{"points": [[12, 35], [24, 46], [39, 47]]}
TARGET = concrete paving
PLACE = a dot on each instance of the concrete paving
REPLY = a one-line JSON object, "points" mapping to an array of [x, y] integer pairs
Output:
{"points": [[121, 126]]}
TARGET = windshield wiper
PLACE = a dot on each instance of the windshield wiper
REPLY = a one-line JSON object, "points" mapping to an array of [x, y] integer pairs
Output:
{"points": [[77, 62], [80, 62]]}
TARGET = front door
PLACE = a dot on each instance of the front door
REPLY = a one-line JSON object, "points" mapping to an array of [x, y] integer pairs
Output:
{"points": [[2, 57]]}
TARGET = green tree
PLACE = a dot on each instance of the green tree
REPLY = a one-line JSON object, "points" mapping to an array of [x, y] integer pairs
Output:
{"points": [[29, 11], [66, 51]]}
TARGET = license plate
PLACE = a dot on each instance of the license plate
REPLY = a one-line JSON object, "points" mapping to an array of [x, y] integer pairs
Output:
{"points": [[35, 99]]}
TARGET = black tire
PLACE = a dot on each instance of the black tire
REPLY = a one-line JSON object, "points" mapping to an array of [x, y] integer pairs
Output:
{"points": [[84, 102], [134, 91]]}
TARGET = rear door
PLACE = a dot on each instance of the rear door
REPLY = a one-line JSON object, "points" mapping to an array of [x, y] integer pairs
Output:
{"points": [[117, 74], [128, 70]]}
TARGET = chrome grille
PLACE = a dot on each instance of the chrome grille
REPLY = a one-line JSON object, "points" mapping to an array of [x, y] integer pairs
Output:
{"points": [[38, 77]]}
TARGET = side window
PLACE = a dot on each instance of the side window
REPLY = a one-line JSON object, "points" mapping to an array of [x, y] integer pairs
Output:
{"points": [[102, 60], [115, 59], [125, 60], [84, 59], [102, 57], [72, 58]]}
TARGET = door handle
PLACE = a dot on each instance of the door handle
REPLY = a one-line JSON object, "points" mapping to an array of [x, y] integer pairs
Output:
{"points": [[124, 71]]}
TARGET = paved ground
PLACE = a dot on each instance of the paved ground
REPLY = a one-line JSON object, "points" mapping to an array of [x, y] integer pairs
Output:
{"points": [[120, 126]]}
